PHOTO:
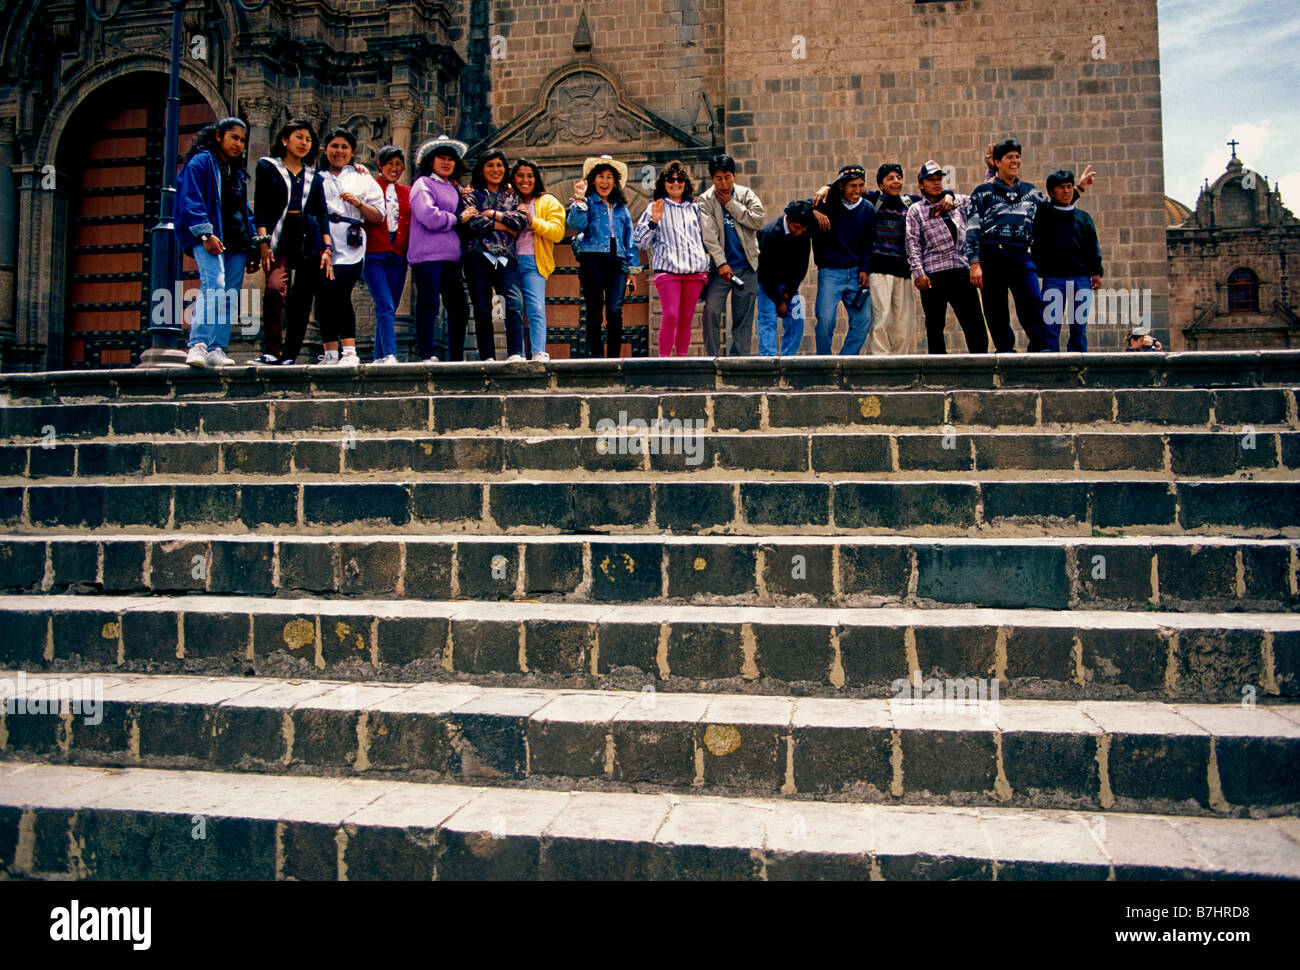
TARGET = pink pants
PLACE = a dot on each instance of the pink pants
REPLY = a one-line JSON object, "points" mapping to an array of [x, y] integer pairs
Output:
{"points": [[678, 295]]}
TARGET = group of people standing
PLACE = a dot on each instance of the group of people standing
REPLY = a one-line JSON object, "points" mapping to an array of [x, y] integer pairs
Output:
{"points": [[316, 232]]}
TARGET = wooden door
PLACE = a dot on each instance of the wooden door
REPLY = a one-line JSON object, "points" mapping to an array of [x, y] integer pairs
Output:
{"points": [[114, 205]]}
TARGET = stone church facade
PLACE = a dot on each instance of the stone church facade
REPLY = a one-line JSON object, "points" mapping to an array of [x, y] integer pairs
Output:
{"points": [[793, 92], [1234, 265]]}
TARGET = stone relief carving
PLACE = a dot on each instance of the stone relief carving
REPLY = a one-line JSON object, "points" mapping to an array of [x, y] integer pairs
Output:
{"points": [[371, 136], [261, 111], [581, 109], [403, 111]]}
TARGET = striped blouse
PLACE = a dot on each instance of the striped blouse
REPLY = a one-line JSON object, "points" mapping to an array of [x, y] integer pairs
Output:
{"points": [[675, 243]]}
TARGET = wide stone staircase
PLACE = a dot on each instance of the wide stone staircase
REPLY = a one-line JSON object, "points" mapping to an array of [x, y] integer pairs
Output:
{"points": [[902, 618]]}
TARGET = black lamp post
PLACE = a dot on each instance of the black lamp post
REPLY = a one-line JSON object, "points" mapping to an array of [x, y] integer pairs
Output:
{"points": [[164, 254]]}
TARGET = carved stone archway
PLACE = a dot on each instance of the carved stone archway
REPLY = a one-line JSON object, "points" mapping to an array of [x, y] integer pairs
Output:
{"points": [[44, 207]]}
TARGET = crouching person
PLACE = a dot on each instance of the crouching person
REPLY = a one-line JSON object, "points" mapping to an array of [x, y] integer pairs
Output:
{"points": [[784, 248]]}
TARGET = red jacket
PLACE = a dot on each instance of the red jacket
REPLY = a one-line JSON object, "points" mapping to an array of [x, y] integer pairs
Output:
{"points": [[377, 232]]}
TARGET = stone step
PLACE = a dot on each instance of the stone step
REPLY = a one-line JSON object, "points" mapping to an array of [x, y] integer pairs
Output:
{"points": [[73, 822], [1227, 410], [1237, 369], [942, 743], [1201, 455], [1081, 654], [920, 507], [1172, 573]]}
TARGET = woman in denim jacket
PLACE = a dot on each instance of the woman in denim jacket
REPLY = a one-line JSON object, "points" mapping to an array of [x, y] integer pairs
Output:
{"points": [[605, 252]]}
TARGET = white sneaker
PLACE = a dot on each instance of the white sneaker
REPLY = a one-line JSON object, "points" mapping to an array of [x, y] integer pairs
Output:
{"points": [[349, 359], [541, 356], [431, 360], [329, 357], [513, 358], [290, 361], [198, 356], [390, 359], [265, 359], [217, 358]]}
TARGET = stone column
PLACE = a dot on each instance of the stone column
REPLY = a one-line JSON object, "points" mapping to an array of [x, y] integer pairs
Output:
{"points": [[405, 112], [8, 237], [261, 113], [41, 267]]}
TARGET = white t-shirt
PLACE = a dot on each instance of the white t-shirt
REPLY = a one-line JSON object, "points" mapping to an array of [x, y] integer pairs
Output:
{"points": [[349, 180], [392, 206]]}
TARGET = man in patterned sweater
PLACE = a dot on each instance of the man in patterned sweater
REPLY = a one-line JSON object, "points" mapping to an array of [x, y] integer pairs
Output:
{"points": [[999, 231]]}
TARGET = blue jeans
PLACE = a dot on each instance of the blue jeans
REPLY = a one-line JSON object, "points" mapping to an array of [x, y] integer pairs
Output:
{"points": [[533, 284], [835, 286], [385, 275], [792, 333], [1067, 299], [217, 306]]}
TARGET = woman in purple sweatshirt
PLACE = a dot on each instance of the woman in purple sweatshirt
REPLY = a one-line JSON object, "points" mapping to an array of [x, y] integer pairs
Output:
{"points": [[434, 251]]}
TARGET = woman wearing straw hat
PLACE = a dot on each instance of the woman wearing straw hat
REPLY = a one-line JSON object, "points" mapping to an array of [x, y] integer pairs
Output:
{"points": [[434, 250], [604, 246]]}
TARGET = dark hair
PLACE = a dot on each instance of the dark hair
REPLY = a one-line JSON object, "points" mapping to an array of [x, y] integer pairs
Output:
{"points": [[886, 169], [721, 163], [1007, 145], [539, 186], [426, 166], [278, 147], [209, 138], [800, 211], [616, 193], [388, 153], [661, 183], [476, 178], [1059, 177], [346, 135]]}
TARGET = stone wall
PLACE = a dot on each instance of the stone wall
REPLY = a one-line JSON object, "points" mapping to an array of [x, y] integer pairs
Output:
{"points": [[903, 81], [665, 52]]}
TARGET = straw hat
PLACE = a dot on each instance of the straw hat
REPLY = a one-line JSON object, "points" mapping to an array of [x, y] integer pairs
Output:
{"points": [[458, 148], [620, 167]]}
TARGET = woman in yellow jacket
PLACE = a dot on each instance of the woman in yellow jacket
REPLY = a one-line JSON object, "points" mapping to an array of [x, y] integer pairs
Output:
{"points": [[535, 247]]}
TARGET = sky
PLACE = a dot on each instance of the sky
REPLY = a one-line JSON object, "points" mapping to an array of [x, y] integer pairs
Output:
{"points": [[1230, 69]]}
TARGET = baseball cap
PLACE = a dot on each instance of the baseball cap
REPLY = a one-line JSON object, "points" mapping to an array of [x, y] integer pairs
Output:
{"points": [[930, 168]]}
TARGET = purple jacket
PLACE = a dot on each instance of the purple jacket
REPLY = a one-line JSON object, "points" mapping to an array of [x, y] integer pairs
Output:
{"points": [[433, 222]]}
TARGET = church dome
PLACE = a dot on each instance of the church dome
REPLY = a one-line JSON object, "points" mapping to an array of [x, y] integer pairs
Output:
{"points": [[1175, 212]]}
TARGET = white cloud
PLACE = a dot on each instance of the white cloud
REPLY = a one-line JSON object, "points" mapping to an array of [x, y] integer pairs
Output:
{"points": [[1289, 185], [1213, 90]]}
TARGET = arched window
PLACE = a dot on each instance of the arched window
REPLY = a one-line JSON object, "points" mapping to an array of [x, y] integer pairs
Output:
{"points": [[1243, 291]]}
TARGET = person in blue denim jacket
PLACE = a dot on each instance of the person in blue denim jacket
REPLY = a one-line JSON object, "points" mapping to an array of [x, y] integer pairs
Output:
{"points": [[214, 225], [604, 247]]}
